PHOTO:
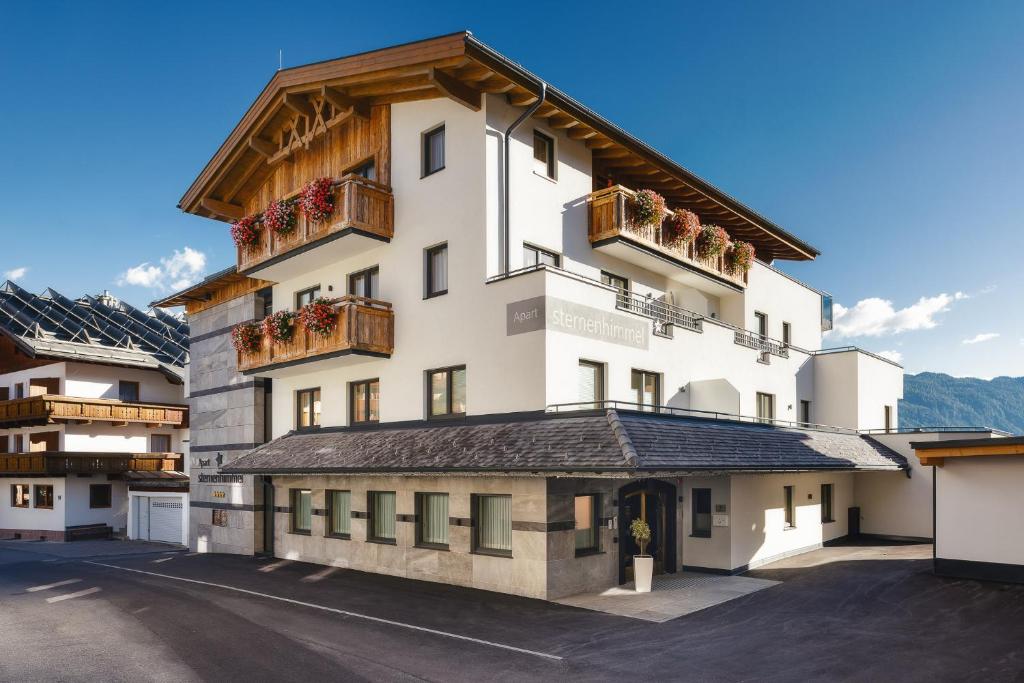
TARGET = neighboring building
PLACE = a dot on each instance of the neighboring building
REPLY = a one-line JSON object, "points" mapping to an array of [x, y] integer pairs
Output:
{"points": [[517, 368], [978, 506], [92, 420]]}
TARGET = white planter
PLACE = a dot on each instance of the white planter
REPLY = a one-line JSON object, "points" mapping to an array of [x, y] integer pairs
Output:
{"points": [[643, 570]]}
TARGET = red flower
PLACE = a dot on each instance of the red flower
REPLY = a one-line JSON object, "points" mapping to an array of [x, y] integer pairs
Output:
{"points": [[246, 231], [247, 337], [280, 326], [712, 241], [317, 199], [319, 317], [280, 216], [739, 257]]}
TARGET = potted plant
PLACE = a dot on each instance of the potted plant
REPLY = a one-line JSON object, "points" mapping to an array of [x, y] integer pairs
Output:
{"points": [[643, 564], [319, 317], [680, 228], [739, 257], [280, 216], [247, 337], [317, 199], [712, 241], [246, 232], [280, 326], [646, 210]]}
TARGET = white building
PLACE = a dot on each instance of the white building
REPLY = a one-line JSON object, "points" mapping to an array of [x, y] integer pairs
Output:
{"points": [[92, 421], [520, 364]]}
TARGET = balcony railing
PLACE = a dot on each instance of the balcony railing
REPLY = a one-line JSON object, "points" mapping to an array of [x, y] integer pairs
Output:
{"points": [[48, 408], [609, 218], [66, 462], [364, 326], [661, 312], [359, 204], [767, 347]]}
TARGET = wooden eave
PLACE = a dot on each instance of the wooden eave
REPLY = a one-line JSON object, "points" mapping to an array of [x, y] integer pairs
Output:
{"points": [[462, 68], [214, 289], [998, 447]]}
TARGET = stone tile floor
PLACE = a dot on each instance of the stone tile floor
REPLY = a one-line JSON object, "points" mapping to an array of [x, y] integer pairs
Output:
{"points": [[671, 596]]}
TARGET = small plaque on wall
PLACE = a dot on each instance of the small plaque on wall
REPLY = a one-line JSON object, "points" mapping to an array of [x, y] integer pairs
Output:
{"points": [[720, 520]]}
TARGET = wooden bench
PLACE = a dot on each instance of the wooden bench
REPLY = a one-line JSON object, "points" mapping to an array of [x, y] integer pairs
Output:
{"points": [[84, 532]]}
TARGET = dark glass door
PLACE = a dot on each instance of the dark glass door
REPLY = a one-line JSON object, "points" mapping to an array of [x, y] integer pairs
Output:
{"points": [[654, 502]]}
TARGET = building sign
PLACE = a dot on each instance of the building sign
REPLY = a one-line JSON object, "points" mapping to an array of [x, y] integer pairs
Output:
{"points": [[220, 478], [719, 520], [558, 315]]}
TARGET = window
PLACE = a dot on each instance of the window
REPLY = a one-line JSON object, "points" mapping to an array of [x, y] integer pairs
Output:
{"points": [[4, 444], [266, 301], [365, 283], [700, 506], [535, 256], [364, 401], [614, 280], [5, 393], [587, 524], [432, 526], [382, 516], [19, 443], [765, 407], [19, 390], [20, 495], [302, 511], [433, 151], [826, 504], [762, 332], [159, 443], [367, 170], [306, 296], [447, 392], [128, 391], [307, 405], [591, 382], [219, 517], [99, 495], [888, 418], [646, 389], [437, 271], [543, 154], [339, 513], [787, 334], [492, 524], [805, 412], [790, 512]]}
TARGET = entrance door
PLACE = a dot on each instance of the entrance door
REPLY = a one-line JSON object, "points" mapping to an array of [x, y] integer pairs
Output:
{"points": [[268, 515], [655, 502], [142, 518]]}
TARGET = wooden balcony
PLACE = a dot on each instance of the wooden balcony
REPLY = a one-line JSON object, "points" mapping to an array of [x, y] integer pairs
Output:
{"points": [[50, 409], [361, 206], [365, 327], [60, 462], [610, 225]]}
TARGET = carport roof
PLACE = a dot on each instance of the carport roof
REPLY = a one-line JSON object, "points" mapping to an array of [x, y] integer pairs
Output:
{"points": [[599, 441]]}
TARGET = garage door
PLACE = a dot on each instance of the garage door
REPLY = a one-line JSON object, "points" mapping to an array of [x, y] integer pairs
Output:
{"points": [[165, 520]]}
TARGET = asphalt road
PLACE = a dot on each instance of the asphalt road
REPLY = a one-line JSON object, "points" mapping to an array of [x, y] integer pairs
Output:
{"points": [[840, 614]]}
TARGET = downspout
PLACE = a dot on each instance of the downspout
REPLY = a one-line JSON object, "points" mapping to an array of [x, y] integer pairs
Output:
{"points": [[508, 135]]}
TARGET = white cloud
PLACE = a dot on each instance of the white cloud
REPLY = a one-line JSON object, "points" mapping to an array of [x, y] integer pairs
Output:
{"points": [[983, 337], [15, 274], [894, 356], [876, 317], [178, 271]]}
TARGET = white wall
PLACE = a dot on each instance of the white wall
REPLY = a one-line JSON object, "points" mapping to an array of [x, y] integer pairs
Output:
{"points": [[707, 553], [852, 388], [32, 517], [10, 379], [77, 503], [979, 509], [86, 380]]}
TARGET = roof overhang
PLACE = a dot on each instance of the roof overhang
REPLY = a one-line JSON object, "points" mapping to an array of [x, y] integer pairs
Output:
{"points": [[460, 67], [936, 452]]}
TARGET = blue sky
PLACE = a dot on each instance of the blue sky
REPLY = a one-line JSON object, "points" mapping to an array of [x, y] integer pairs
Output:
{"points": [[889, 135]]}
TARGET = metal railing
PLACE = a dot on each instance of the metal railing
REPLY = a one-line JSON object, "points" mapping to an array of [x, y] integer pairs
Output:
{"points": [[660, 311], [763, 344], [926, 430]]}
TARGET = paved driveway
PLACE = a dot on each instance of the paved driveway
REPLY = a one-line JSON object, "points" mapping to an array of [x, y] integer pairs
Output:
{"points": [[859, 613]]}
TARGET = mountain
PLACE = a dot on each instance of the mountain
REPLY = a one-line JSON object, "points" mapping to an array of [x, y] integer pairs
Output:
{"points": [[932, 399]]}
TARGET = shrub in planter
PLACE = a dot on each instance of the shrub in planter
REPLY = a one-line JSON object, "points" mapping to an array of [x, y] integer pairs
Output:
{"points": [[739, 257], [246, 231], [643, 564], [247, 337], [280, 216], [646, 209], [280, 326], [319, 317], [317, 199], [681, 227], [712, 240]]}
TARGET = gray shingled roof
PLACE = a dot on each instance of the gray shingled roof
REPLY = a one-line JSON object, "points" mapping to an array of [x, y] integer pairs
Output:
{"points": [[592, 441]]}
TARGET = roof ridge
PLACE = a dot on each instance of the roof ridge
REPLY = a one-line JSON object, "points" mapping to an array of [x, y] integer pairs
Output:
{"points": [[629, 455]]}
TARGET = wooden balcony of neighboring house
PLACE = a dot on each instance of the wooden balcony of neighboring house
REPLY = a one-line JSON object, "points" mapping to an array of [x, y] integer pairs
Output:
{"points": [[363, 208], [53, 409], [53, 462], [612, 231], [365, 327]]}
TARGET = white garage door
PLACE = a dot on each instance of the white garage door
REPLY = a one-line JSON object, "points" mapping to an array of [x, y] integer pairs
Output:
{"points": [[164, 520]]}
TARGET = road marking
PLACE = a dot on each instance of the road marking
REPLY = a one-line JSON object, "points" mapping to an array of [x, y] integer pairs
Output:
{"points": [[276, 565], [48, 586], [356, 615], [162, 559], [70, 596]]}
